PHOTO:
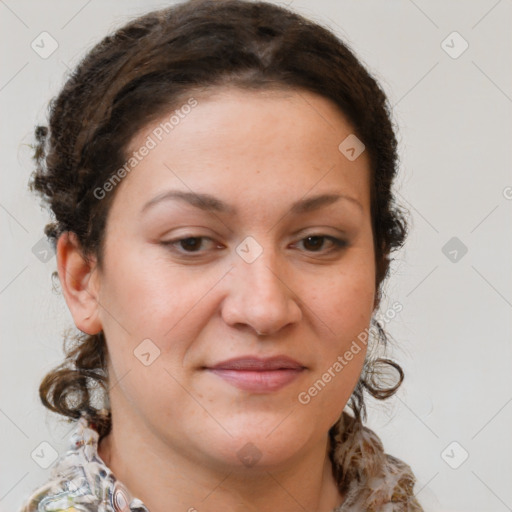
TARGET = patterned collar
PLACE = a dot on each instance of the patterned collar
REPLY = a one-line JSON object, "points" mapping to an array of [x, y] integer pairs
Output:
{"points": [[81, 481]]}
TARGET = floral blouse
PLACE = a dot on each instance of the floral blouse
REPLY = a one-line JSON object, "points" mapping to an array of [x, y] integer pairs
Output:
{"points": [[80, 480]]}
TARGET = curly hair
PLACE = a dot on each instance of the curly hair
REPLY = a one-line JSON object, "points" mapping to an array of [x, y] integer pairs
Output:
{"points": [[148, 67]]}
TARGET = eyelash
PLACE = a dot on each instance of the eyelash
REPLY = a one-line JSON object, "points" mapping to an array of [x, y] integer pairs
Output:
{"points": [[338, 243]]}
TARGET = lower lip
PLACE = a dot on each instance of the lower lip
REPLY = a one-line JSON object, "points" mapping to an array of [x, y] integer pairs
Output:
{"points": [[258, 381]]}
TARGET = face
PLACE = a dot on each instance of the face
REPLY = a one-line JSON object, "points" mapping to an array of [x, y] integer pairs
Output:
{"points": [[282, 245]]}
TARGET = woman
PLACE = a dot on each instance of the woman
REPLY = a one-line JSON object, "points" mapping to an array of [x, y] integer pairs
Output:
{"points": [[220, 174]]}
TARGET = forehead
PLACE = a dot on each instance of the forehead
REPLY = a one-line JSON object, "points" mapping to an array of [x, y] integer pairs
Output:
{"points": [[242, 144], [222, 114]]}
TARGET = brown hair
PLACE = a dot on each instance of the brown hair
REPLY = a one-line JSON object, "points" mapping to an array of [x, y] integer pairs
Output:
{"points": [[148, 67]]}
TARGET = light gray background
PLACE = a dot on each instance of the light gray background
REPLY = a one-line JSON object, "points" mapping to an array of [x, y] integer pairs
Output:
{"points": [[453, 336]]}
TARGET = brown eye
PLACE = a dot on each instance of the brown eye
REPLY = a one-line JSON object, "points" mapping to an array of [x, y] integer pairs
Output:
{"points": [[191, 244], [315, 243], [188, 245]]}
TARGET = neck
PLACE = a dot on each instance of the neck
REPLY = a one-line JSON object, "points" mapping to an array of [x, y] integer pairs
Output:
{"points": [[166, 479]]}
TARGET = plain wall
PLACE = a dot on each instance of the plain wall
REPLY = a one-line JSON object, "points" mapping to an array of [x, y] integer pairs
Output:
{"points": [[453, 336]]}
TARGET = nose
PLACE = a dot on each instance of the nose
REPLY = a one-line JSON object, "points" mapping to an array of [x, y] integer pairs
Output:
{"points": [[261, 296]]}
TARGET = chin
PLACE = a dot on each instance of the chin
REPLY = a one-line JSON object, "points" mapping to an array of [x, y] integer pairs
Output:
{"points": [[259, 445]]}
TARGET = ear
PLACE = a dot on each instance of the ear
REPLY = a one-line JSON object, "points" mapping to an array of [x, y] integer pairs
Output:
{"points": [[80, 284]]}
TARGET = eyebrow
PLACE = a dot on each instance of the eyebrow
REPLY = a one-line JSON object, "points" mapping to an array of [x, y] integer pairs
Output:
{"points": [[208, 202]]}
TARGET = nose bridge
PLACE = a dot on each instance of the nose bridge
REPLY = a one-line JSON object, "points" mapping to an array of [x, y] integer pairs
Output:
{"points": [[262, 276], [259, 296]]}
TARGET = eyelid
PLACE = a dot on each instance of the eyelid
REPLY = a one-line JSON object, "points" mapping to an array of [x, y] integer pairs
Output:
{"points": [[338, 244]]}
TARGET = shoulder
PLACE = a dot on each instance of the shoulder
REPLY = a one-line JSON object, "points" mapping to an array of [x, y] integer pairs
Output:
{"points": [[79, 481], [371, 479], [393, 489], [59, 495]]}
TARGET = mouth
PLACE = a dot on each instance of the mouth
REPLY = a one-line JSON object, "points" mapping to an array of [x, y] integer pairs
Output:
{"points": [[258, 375]]}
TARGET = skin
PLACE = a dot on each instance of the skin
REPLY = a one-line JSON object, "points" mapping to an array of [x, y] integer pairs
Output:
{"points": [[177, 428]]}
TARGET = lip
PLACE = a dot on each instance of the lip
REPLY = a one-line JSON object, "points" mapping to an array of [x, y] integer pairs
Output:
{"points": [[254, 363], [259, 375]]}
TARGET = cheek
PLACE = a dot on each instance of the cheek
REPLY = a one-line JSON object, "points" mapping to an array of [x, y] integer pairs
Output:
{"points": [[147, 295], [346, 301], [345, 306], [154, 391], [152, 307]]}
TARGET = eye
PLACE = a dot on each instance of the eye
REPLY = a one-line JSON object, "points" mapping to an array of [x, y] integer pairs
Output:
{"points": [[196, 244], [188, 245], [315, 243]]}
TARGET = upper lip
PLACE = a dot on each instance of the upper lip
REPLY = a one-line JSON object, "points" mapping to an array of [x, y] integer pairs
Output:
{"points": [[258, 363]]}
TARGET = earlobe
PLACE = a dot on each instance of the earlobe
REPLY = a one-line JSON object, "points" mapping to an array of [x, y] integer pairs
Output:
{"points": [[78, 278]]}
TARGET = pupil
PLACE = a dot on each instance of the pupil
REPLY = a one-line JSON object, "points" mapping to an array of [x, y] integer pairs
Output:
{"points": [[316, 239], [190, 243]]}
